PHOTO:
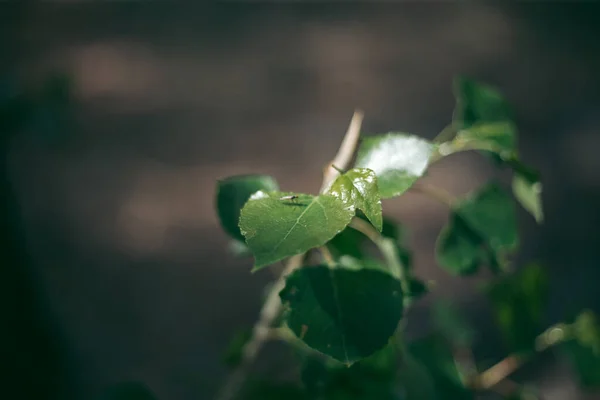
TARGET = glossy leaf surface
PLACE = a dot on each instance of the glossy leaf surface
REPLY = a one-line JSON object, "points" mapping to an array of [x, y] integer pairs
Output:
{"points": [[276, 227], [232, 194], [358, 188], [347, 314], [398, 160]]}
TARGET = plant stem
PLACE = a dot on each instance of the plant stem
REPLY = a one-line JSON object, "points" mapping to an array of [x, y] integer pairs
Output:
{"points": [[446, 134], [385, 246], [260, 332], [327, 256], [434, 192], [272, 306], [550, 337], [346, 151]]}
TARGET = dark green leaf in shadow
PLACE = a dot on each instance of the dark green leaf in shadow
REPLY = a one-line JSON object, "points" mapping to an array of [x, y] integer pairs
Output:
{"points": [[518, 303], [429, 372], [262, 389], [398, 160], [277, 226], [458, 248], [346, 314], [490, 212], [233, 353], [232, 194], [127, 391], [358, 188], [583, 351], [477, 102], [451, 324], [371, 378]]}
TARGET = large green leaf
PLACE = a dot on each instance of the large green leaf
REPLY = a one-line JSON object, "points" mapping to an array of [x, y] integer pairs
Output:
{"points": [[232, 194], [490, 212], [430, 360], [477, 102], [528, 193], [519, 302], [584, 350], [398, 160], [345, 313], [358, 188], [276, 226], [127, 391]]}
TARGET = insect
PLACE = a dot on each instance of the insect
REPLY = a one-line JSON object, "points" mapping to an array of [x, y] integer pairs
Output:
{"points": [[292, 198]]}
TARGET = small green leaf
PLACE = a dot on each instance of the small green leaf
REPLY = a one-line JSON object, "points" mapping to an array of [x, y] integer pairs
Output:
{"points": [[458, 248], [528, 193], [233, 354], [232, 194], [398, 160], [432, 361], [127, 391], [477, 102], [490, 212], [584, 350], [358, 188], [276, 227], [496, 137], [344, 313], [519, 302], [451, 324]]}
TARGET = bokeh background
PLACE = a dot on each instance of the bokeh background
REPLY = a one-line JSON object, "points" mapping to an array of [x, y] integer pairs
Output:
{"points": [[121, 271]]}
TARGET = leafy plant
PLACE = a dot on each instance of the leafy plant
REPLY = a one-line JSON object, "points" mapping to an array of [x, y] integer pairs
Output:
{"points": [[343, 314]]}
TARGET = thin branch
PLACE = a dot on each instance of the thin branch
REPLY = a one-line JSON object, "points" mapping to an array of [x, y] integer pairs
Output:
{"points": [[500, 371], [327, 256], [272, 306], [446, 134], [346, 151], [260, 333], [434, 192]]}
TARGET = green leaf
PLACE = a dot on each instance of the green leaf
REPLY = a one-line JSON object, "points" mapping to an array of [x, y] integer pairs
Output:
{"points": [[518, 302], [477, 102], [398, 160], [344, 313], [431, 360], [497, 137], [458, 248], [358, 188], [276, 228], [233, 354], [348, 242], [490, 212], [370, 378], [528, 193], [127, 391], [451, 324], [232, 194], [583, 351], [261, 389]]}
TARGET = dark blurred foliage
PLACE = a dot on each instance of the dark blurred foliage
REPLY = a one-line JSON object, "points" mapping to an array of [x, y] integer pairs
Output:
{"points": [[78, 317]]}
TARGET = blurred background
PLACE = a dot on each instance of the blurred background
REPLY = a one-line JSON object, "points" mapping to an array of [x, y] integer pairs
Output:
{"points": [[115, 267]]}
